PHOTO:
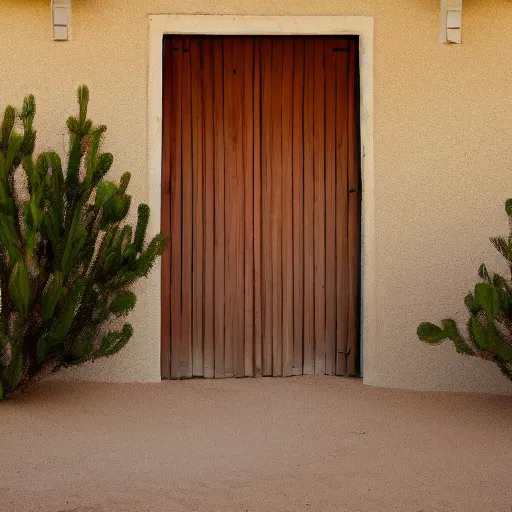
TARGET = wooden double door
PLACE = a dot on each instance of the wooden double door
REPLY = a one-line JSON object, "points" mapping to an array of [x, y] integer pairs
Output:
{"points": [[261, 202]]}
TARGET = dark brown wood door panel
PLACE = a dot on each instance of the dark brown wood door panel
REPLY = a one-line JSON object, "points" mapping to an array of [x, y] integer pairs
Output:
{"points": [[261, 203]]}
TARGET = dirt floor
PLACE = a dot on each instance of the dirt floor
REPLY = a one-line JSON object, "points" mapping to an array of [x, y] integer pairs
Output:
{"points": [[301, 444]]}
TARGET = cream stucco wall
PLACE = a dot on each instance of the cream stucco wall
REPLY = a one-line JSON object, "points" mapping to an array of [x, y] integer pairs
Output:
{"points": [[442, 146]]}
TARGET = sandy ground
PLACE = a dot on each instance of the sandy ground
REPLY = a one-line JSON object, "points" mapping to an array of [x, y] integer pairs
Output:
{"points": [[301, 444]]}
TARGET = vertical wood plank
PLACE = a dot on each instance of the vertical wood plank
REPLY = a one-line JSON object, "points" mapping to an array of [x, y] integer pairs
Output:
{"points": [[248, 149], [197, 214], [266, 175], [276, 209], [218, 98], [298, 205], [238, 210], [341, 212], [186, 272], [258, 349], [353, 212], [209, 224], [176, 211], [330, 212], [309, 271], [287, 226], [230, 220], [319, 205], [165, 215]]}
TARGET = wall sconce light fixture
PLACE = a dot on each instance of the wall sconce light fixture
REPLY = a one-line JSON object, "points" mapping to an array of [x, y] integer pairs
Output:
{"points": [[61, 17], [451, 21]]}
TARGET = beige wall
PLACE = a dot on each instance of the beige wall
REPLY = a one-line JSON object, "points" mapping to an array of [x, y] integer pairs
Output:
{"points": [[443, 154]]}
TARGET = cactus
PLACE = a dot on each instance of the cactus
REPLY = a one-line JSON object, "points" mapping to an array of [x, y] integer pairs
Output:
{"points": [[66, 257], [489, 327]]}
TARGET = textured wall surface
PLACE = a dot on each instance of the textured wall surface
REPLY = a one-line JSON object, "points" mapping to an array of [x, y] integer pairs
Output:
{"points": [[443, 154]]}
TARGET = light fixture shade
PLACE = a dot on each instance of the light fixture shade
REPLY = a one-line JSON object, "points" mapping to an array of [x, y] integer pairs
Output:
{"points": [[61, 14], [454, 26]]}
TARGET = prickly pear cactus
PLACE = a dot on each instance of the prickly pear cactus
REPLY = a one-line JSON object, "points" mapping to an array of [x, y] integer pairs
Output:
{"points": [[490, 314], [67, 259]]}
